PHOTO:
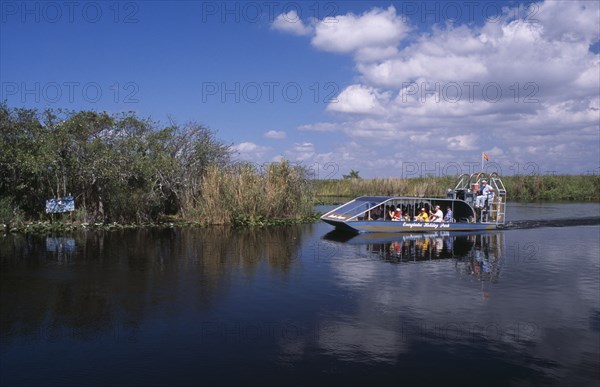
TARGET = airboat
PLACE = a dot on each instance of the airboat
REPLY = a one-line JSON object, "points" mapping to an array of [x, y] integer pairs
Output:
{"points": [[471, 210]]}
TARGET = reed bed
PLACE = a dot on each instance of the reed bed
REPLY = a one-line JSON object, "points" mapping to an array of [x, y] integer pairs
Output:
{"points": [[552, 188], [243, 194], [428, 186]]}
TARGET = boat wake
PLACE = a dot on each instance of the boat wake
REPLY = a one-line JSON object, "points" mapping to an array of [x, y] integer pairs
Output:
{"points": [[564, 222]]}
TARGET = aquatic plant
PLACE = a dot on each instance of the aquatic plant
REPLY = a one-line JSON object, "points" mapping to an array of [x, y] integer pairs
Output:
{"points": [[242, 194]]}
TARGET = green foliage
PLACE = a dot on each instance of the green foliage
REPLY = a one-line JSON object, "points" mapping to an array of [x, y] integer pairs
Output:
{"points": [[352, 175], [121, 168], [553, 188], [243, 195], [10, 214], [425, 186], [519, 188]]}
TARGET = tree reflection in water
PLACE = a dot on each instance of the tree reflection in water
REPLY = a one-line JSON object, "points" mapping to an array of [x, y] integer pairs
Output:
{"points": [[91, 284]]}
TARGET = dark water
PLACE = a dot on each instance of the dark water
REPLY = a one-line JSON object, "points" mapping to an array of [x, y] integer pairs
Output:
{"points": [[303, 305]]}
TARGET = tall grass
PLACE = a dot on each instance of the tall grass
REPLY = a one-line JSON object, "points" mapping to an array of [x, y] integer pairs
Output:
{"points": [[10, 213], [553, 188], [427, 186], [519, 188], [227, 195]]}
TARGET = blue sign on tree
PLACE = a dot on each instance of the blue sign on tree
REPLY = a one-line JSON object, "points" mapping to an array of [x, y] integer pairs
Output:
{"points": [[66, 204]]}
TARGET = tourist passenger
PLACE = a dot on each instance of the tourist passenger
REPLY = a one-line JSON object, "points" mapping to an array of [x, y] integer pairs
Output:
{"points": [[391, 212], [377, 212], [397, 214], [449, 215], [423, 217], [437, 216], [486, 191]]}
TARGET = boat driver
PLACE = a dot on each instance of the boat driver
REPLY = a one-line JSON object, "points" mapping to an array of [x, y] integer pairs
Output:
{"points": [[486, 191]]}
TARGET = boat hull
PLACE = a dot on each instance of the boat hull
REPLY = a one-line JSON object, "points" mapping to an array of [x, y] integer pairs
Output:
{"points": [[391, 226]]}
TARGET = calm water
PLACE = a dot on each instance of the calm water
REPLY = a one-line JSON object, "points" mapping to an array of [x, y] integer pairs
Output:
{"points": [[304, 305]]}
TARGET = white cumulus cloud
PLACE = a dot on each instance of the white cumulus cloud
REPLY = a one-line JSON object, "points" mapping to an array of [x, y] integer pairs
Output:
{"points": [[358, 99], [376, 29], [292, 23], [276, 134], [250, 151], [515, 85], [301, 152]]}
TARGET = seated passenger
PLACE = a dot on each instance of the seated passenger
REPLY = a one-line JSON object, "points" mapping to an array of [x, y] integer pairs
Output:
{"points": [[391, 212], [410, 213], [377, 212], [423, 217], [397, 214], [437, 216], [449, 215]]}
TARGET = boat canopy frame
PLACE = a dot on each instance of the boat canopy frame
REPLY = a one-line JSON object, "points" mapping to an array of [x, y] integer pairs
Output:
{"points": [[494, 205], [361, 208]]}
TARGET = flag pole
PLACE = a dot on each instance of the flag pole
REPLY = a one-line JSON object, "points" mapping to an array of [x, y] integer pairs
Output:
{"points": [[481, 161]]}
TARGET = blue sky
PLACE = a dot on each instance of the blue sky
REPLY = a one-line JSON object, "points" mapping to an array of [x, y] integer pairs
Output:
{"points": [[391, 89]]}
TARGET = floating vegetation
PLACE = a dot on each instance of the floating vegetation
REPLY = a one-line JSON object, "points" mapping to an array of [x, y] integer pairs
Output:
{"points": [[238, 222]]}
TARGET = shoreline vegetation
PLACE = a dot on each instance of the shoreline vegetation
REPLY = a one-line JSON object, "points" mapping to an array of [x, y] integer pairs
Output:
{"points": [[127, 172], [555, 188], [123, 170], [520, 188]]}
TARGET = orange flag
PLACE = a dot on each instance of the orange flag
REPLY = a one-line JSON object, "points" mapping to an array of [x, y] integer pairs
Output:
{"points": [[485, 157]]}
